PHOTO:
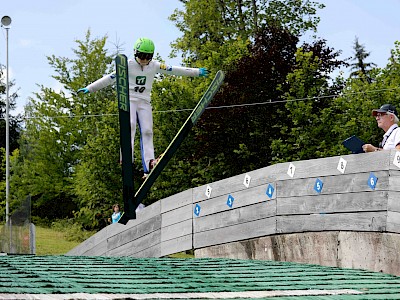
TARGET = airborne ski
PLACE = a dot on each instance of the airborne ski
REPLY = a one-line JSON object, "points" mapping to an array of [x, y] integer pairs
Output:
{"points": [[121, 64], [180, 136]]}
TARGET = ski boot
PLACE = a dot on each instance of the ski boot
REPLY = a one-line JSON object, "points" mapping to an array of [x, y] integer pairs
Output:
{"points": [[152, 164]]}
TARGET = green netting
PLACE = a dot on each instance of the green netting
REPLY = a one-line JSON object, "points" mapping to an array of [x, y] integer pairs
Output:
{"points": [[69, 274]]}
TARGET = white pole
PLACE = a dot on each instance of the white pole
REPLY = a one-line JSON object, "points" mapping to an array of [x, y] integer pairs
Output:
{"points": [[7, 135], [5, 22]]}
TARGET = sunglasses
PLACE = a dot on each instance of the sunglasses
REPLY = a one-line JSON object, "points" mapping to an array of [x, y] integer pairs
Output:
{"points": [[380, 114], [143, 56]]}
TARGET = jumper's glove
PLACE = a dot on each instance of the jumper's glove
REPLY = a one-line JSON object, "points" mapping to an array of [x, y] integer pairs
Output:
{"points": [[83, 90], [203, 72]]}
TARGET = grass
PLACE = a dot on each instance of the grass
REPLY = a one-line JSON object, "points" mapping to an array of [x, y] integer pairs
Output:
{"points": [[186, 254], [51, 242]]}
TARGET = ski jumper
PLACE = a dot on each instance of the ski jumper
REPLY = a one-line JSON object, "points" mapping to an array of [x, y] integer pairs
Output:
{"points": [[140, 84]]}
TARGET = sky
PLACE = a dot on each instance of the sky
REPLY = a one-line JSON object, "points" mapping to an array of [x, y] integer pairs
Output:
{"points": [[43, 28]]}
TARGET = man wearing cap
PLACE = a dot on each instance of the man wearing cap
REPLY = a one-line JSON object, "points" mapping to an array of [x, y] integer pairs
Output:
{"points": [[387, 118]]}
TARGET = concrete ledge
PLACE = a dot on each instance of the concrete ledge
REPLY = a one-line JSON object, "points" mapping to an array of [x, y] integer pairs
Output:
{"points": [[373, 251]]}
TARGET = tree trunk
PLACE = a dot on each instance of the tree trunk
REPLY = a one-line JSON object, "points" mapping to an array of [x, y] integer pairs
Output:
{"points": [[255, 16], [241, 21]]}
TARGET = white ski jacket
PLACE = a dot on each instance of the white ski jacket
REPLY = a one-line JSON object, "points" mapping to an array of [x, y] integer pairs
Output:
{"points": [[141, 78]]}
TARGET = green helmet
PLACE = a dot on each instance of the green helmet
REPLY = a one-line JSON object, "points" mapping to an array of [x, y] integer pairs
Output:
{"points": [[144, 45]]}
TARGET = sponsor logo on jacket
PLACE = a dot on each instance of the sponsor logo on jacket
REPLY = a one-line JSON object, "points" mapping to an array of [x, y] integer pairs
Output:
{"points": [[165, 67]]}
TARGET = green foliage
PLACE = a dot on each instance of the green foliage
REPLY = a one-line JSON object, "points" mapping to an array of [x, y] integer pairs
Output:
{"points": [[361, 96], [308, 134], [14, 122], [13, 130], [72, 230], [294, 15], [360, 67], [43, 168], [240, 134], [12, 204], [63, 160], [319, 125], [210, 25], [254, 42]]}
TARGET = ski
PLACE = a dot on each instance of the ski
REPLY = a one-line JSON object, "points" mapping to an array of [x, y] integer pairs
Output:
{"points": [[121, 64], [180, 136]]}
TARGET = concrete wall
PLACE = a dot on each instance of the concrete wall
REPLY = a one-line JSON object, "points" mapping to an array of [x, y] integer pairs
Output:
{"points": [[306, 211], [373, 251]]}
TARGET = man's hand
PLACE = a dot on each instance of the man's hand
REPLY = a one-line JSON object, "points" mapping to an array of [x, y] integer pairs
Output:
{"points": [[370, 148]]}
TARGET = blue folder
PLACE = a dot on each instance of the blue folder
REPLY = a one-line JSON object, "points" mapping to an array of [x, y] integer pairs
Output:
{"points": [[354, 144]]}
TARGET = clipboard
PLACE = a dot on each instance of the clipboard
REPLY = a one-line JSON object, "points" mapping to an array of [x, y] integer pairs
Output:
{"points": [[354, 144]]}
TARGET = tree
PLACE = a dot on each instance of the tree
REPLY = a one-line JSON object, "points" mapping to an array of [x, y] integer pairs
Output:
{"points": [[308, 133], [360, 97], [320, 124], [97, 182], [14, 130], [240, 136], [254, 42], [360, 67], [14, 125], [207, 26], [64, 157]]}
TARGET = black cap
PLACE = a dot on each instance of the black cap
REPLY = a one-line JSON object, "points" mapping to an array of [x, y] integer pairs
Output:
{"points": [[385, 108]]}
